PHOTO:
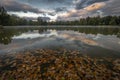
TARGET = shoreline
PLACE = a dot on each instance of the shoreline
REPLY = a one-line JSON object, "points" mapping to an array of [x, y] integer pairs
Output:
{"points": [[62, 26]]}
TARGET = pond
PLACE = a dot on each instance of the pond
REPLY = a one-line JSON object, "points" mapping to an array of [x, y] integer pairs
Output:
{"points": [[93, 41]]}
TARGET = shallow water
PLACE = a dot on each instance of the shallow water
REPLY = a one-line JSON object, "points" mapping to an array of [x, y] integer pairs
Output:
{"points": [[94, 41]]}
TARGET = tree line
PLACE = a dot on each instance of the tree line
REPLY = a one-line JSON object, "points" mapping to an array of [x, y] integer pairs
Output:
{"points": [[106, 20], [12, 20]]}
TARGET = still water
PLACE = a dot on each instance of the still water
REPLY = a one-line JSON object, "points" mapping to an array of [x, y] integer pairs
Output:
{"points": [[93, 41]]}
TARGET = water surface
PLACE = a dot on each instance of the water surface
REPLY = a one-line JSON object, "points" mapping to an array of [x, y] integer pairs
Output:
{"points": [[93, 41]]}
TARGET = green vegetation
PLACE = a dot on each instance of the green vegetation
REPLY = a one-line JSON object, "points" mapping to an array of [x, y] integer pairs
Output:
{"points": [[12, 20], [4, 17], [106, 20], [7, 34]]}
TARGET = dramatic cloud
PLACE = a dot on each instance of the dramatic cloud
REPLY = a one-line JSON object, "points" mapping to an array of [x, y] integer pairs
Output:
{"points": [[112, 8], [95, 6], [50, 4], [87, 11], [83, 3], [52, 1], [52, 14], [12, 5], [85, 8], [27, 14], [62, 9]]}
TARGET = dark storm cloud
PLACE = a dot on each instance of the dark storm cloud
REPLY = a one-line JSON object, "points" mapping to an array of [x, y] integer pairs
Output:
{"points": [[12, 5], [113, 8], [64, 9], [83, 3], [60, 9], [52, 14], [52, 1], [50, 4]]}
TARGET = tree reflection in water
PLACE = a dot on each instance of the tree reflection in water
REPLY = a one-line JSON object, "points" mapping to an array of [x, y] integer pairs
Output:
{"points": [[6, 34]]}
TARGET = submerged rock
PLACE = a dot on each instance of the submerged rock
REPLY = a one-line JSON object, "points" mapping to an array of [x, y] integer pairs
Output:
{"points": [[46, 64]]}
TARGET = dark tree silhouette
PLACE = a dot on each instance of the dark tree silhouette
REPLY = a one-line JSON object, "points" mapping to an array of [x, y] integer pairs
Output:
{"points": [[13, 20]]}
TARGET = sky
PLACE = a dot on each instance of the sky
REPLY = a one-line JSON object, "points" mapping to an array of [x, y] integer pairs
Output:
{"points": [[61, 9]]}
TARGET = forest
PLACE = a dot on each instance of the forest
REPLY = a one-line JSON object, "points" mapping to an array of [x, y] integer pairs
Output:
{"points": [[13, 20]]}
